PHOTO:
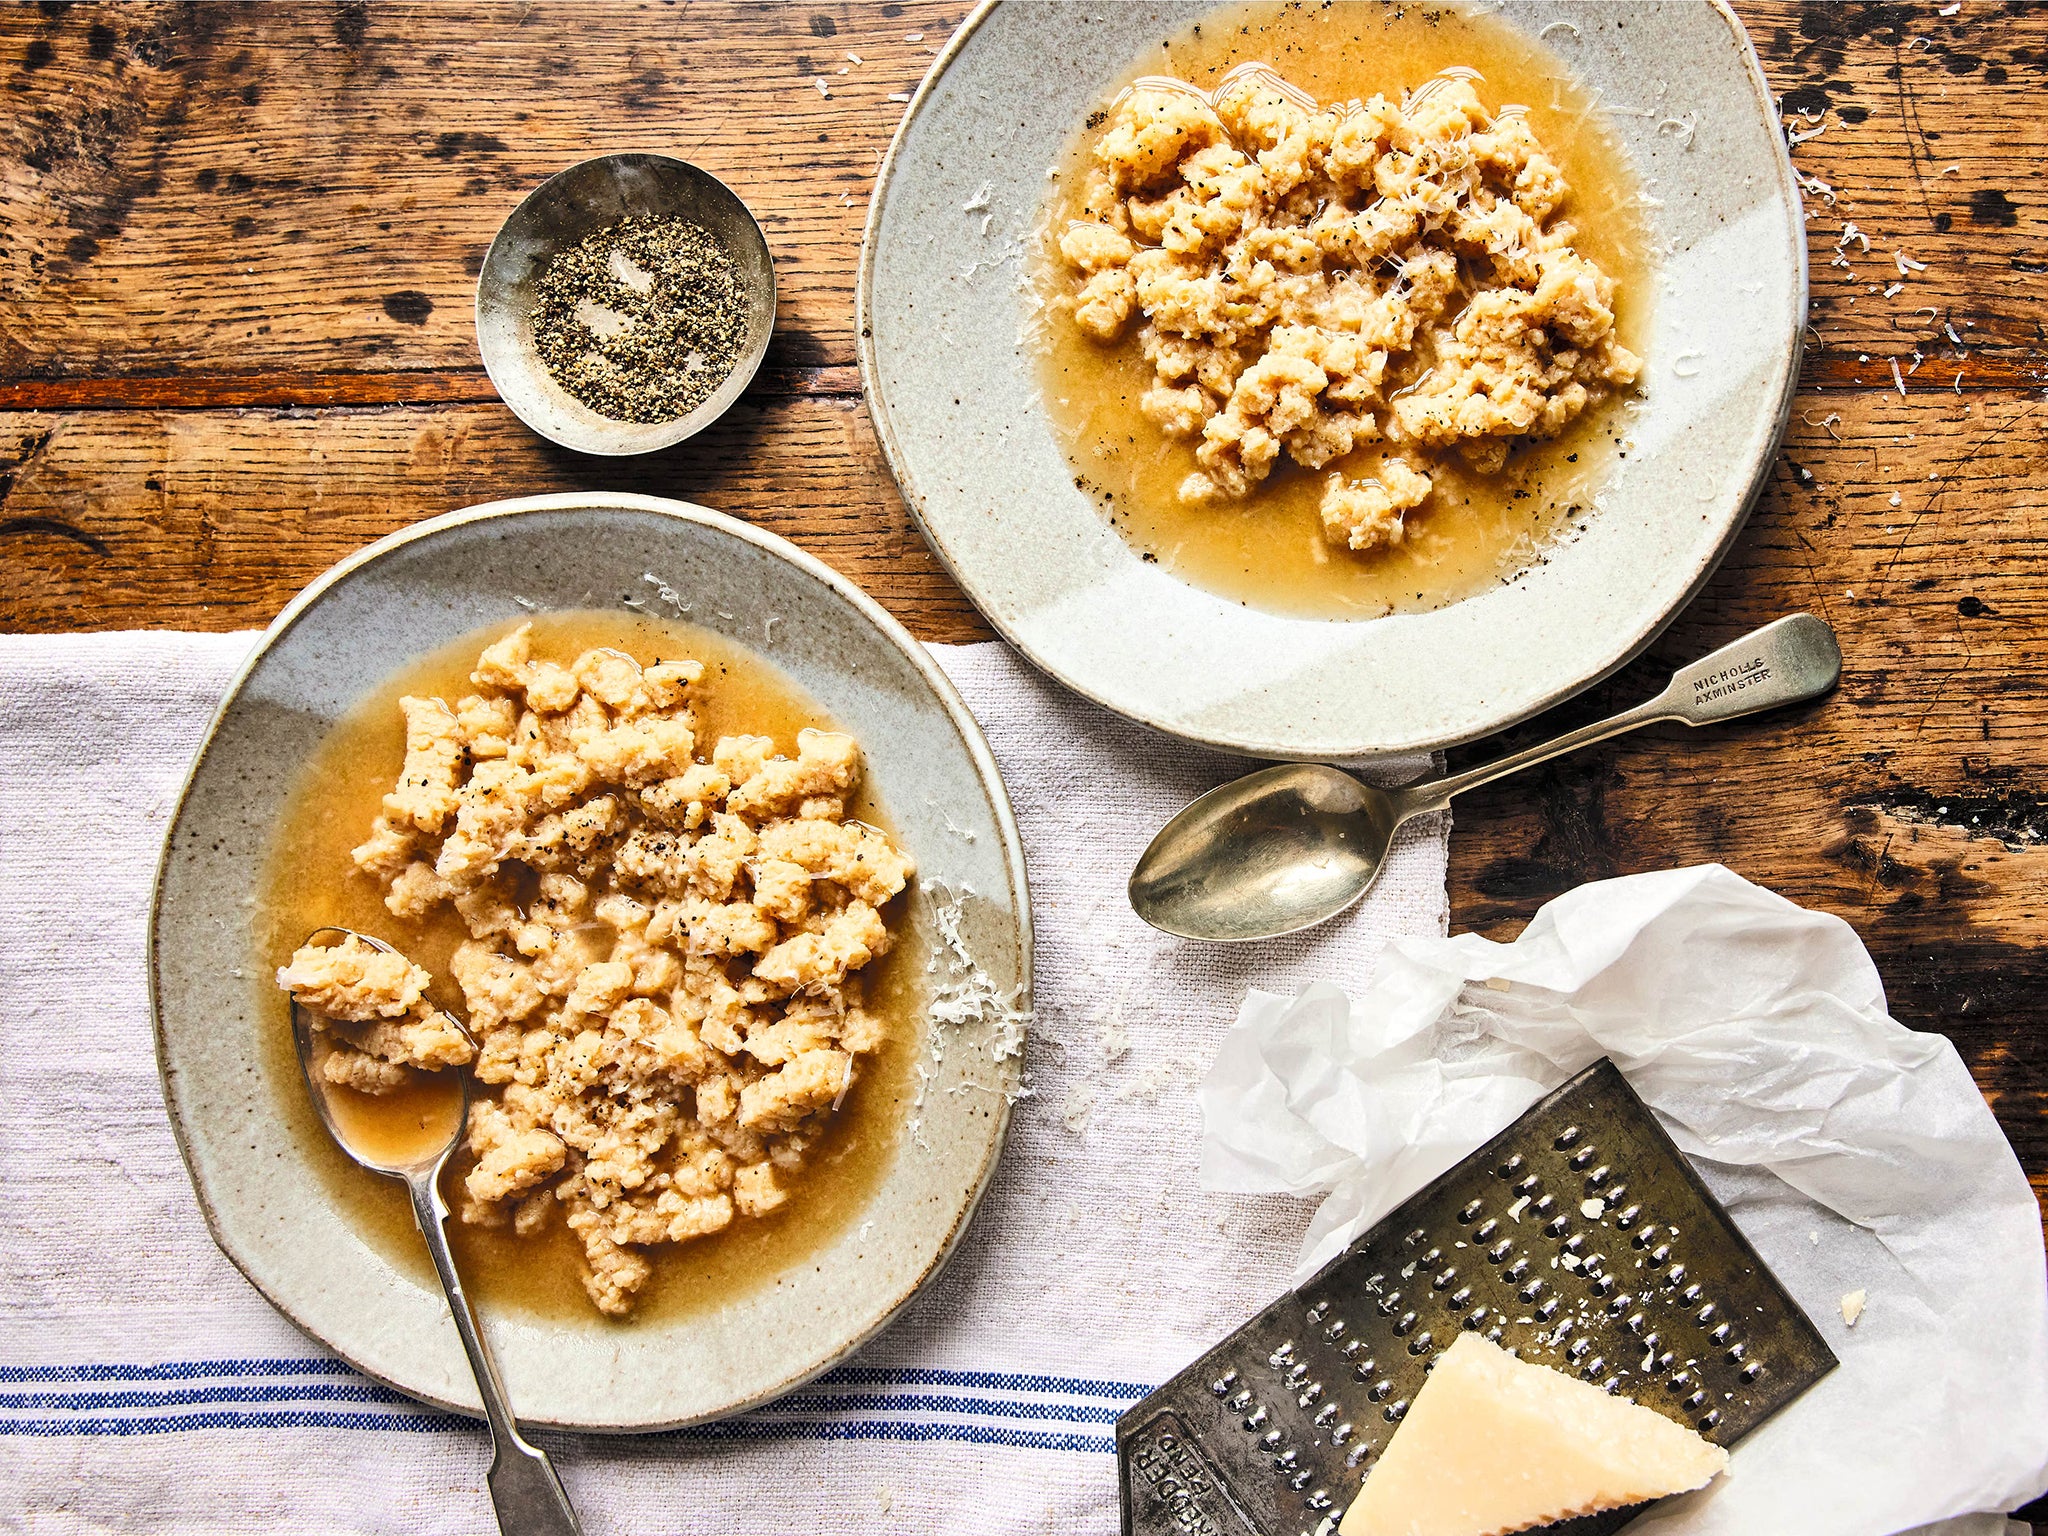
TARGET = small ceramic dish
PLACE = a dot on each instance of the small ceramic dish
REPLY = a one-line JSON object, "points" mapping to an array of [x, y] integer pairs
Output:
{"points": [[232, 1102], [955, 391], [569, 207]]}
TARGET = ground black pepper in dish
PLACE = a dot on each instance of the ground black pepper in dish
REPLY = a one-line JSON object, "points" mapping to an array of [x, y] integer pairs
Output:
{"points": [[642, 320]]}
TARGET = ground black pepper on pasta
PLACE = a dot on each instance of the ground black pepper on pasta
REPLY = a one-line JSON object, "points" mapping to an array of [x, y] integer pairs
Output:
{"points": [[685, 314]]}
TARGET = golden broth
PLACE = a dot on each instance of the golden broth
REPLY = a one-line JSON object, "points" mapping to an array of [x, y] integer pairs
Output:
{"points": [[1270, 551], [312, 882]]}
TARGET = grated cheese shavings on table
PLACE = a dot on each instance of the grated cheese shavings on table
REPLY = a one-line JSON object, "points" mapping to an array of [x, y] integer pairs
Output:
{"points": [[1898, 379], [964, 993]]}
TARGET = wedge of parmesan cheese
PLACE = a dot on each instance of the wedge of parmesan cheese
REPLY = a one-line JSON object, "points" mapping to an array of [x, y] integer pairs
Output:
{"points": [[1492, 1444]]}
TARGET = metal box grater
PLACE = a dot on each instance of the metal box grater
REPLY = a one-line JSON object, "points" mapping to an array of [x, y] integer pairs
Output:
{"points": [[1659, 1298]]}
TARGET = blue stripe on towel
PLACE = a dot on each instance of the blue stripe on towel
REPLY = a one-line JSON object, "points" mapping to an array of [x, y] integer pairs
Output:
{"points": [[177, 1370], [728, 1429]]}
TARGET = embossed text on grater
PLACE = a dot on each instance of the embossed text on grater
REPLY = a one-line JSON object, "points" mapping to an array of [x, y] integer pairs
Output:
{"points": [[1580, 1238]]}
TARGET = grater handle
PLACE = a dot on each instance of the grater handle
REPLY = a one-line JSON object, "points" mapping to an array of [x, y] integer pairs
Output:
{"points": [[1786, 662]]}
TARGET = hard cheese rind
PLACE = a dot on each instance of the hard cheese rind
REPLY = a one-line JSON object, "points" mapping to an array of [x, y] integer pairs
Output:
{"points": [[1492, 1444]]}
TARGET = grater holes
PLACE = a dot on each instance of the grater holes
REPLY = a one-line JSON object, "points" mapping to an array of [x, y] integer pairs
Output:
{"points": [[1356, 1454], [1240, 1402], [1472, 1320], [1580, 1348], [1576, 1243], [1676, 1277], [1446, 1278], [1394, 1413], [1546, 1205], [1461, 1298], [1705, 1314], [1616, 1195], [1353, 1348], [1309, 1395], [1301, 1480], [1495, 1334], [1389, 1303], [1582, 1159], [1222, 1384], [1380, 1390], [1404, 1323], [1515, 1271], [1420, 1343], [1567, 1137], [1690, 1294], [1365, 1368], [1271, 1438], [1416, 1238], [1736, 1352], [1658, 1255], [1627, 1218], [1319, 1311], [1602, 1284], [1343, 1432], [1324, 1415], [1257, 1418], [1591, 1370], [1511, 1167], [1557, 1226], [1635, 1323], [1287, 1460], [1499, 1252], [1647, 1236], [1431, 1259], [1531, 1291], [1284, 1355], [1721, 1334], [1471, 1210], [1546, 1310], [1528, 1186], [1709, 1419], [1751, 1371], [1696, 1402], [1319, 1500], [1483, 1233], [1682, 1382], [1597, 1177]]}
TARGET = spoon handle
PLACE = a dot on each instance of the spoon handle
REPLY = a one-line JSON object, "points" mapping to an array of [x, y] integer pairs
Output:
{"points": [[1787, 661], [525, 1491]]}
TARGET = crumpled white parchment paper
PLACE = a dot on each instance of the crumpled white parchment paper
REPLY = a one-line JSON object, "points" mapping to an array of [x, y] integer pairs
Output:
{"points": [[1855, 1153]]}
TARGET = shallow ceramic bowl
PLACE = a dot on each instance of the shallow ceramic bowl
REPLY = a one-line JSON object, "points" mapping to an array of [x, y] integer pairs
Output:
{"points": [[564, 210], [953, 392], [375, 613]]}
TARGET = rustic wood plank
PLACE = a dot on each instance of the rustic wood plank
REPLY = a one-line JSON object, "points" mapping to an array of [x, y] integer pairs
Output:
{"points": [[302, 186], [206, 520]]}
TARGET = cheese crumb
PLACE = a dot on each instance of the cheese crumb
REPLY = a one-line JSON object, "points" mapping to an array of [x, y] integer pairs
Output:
{"points": [[1518, 1207], [1853, 1304], [1592, 1210]]}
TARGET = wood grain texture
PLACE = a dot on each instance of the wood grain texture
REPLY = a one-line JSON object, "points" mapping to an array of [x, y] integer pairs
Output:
{"points": [[237, 251]]}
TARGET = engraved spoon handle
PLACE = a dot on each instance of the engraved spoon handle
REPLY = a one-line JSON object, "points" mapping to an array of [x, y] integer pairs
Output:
{"points": [[525, 1491], [1787, 661]]}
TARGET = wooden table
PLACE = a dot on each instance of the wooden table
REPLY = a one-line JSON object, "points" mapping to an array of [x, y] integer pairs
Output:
{"points": [[239, 245]]}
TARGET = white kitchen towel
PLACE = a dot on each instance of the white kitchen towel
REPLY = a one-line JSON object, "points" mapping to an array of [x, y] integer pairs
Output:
{"points": [[144, 1386]]}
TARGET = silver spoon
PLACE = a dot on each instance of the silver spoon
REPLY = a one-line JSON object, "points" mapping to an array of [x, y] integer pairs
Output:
{"points": [[1292, 846], [526, 1493]]}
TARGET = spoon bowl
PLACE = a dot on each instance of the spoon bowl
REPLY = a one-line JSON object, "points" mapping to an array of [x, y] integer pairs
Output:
{"points": [[373, 1142], [1246, 859]]}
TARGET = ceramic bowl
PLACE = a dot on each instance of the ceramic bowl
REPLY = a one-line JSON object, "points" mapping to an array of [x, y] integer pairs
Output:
{"points": [[564, 210], [954, 395], [253, 1168]]}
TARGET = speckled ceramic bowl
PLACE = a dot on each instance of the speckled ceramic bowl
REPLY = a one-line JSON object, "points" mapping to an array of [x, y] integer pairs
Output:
{"points": [[954, 397], [356, 625]]}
